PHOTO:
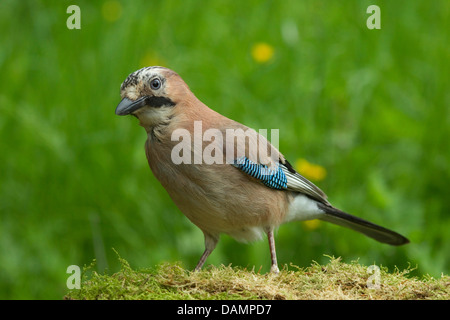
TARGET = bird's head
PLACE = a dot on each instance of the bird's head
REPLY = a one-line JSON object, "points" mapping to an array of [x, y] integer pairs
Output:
{"points": [[151, 94]]}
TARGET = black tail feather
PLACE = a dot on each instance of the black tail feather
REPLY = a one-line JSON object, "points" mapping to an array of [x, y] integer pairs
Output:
{"points": [[367, 228]]}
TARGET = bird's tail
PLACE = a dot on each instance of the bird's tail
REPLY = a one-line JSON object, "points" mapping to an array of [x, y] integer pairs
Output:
{"points": [[367, 228]]}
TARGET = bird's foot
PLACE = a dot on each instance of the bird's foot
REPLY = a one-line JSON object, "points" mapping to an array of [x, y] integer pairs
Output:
{"points": [[274, 269]]}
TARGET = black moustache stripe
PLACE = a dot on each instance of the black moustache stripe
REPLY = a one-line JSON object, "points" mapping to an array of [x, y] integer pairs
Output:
{"points": [[158, 102]]}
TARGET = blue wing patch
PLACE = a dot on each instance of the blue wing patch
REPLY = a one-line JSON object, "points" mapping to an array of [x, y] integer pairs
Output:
{"points": [[275, 179]]}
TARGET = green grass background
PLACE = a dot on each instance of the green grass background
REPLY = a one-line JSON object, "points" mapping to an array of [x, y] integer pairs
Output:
{"points": [[370, 106]]}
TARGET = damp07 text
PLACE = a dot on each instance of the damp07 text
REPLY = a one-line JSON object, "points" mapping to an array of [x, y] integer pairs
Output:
{"points": [[246, 309]]}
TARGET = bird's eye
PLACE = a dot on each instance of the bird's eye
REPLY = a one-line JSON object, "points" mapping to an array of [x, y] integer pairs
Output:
{"points": [[155, 84]]}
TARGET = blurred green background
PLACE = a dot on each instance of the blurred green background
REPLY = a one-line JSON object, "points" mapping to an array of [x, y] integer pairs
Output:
{"points": [[369, 108]]}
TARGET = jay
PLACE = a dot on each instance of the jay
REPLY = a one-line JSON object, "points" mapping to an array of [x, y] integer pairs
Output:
{"points": [[251, 192]]}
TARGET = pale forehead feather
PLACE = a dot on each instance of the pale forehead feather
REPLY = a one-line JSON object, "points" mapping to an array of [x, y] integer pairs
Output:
{"points": [[143, 74]]}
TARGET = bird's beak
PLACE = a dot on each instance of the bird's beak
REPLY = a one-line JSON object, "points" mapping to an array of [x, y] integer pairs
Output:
{"points": [[127, 106]]}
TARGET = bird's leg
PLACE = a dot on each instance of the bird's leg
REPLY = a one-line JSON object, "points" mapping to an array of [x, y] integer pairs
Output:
{"points": [[273, 253], [210, 244], [202, 260]]}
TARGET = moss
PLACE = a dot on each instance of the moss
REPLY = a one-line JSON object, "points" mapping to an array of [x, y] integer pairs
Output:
{"points": [[335, 280]]}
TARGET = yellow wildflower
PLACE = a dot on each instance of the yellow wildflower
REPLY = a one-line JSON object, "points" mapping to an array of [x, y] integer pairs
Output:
{"points": [[111, 10], [262, 52], [310, 171], [311, 224]]}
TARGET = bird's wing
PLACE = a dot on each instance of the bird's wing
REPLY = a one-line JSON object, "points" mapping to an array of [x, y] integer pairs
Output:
{"points": [[281, 177], [296, 182], [265, 162]]}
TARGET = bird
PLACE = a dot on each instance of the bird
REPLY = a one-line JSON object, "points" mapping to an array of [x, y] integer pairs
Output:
{"points": [[243, 193]]}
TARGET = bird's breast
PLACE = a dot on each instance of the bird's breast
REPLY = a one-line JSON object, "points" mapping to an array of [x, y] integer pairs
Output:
{"points": [[218, 198]]}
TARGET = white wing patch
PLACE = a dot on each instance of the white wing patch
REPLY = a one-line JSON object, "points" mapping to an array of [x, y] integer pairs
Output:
{"points": [[303, 208]]}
